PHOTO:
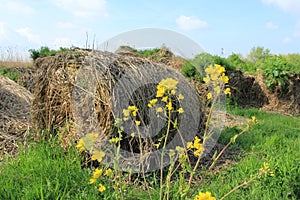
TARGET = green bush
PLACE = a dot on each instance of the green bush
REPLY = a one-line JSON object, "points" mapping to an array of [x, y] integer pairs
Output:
{"points": [[190, 71], [148, 52], [45, 51], [276, 73]]}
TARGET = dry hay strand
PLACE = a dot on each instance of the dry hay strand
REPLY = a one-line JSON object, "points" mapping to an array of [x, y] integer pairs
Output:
{"points": [[83, 88], [15, 118], [26, 77]]}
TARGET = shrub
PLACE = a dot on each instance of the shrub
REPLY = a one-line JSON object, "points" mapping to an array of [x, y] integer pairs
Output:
{"points": [[276, 73], [190, 71], [45, 51]]}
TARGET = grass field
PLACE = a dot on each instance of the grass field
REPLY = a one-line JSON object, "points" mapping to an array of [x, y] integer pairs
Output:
{"points": [[46, 171]]}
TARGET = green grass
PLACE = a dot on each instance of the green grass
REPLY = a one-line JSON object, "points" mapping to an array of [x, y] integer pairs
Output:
{"points": [[46, 171], [274, 140], [8, 72]]}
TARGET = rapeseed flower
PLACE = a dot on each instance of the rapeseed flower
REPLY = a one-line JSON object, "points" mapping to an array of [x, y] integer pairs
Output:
{"points": [[97, 173], [80, 145], [101, 188], [204, 196]]}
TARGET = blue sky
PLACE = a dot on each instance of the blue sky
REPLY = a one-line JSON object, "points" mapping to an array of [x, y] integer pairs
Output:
{"points": [[234, 25]]}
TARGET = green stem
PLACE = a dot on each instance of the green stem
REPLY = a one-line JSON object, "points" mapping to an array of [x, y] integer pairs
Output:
{"points": [[204, 139], [162, 155]]}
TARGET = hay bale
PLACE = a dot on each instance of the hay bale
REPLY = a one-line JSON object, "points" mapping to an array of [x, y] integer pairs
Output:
{"points": [[61, 89], [246, 91], [15, 119]]}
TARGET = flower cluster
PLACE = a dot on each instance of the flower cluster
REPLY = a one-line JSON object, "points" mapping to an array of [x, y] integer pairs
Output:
{"points": [[253, 120], [165, 89], [266, 170], [215, 76], [204, 196], [97, 174], [196, 145]]}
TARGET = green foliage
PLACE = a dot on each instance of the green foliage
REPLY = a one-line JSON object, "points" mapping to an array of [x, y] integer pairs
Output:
{"points": [[294, 60], [45, 51], [224, 62], [237, 61], [258, 54], [10, 73], [276, 73], [148, 52], [190, 71]]}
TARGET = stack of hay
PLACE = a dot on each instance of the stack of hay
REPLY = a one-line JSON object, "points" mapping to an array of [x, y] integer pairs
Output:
{"points": [[63, 98], [15, 119]]}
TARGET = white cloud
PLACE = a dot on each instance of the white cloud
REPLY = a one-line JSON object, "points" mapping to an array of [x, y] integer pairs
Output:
{"points": [[190, 23], [26, 32], [291, 6], [286, 40], [86, 8], [271, 26], [16, 7]]}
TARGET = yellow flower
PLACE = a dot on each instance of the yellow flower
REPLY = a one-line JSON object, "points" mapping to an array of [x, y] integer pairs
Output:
{"points": [[169, 106], [209, 70], [225, 78], [97, 173], [217, 89], [227, 91], [137, 123], [214, 76], [157, 145], [152, 103], [98, 155], [266, 170], [108, 173], [92, 180], [197, 152], [179, 149], [92, 137], [209, 95], [196, 145], [204, 196], [161, 90], [80, 145], [169, 83], [133, 110], [180, 110], [254, 120], [101, 188], [180, 97], [173, 92], [159, 109], [206, 79], [164, 99], [132, 134], [114, 140], [190, 145], [220, 68], [126, 112]]}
